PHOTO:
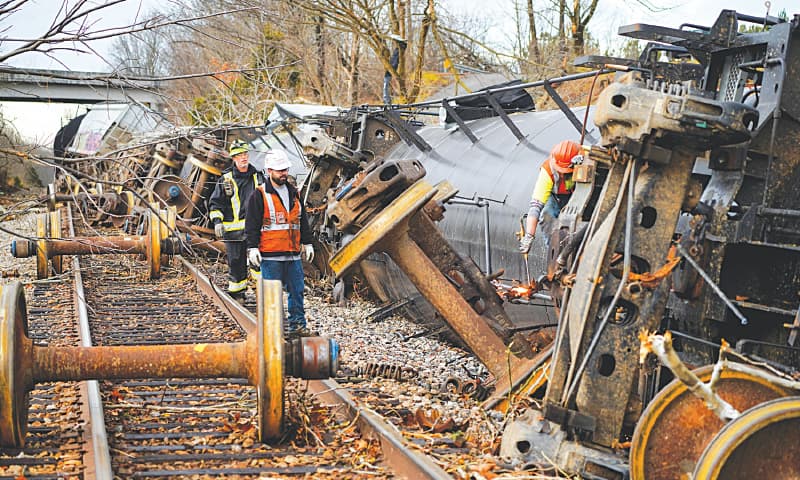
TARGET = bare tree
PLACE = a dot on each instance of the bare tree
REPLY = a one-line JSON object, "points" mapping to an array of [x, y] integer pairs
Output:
{"points": [[142, 53], [579, 16], [534, 55], [389, 30], [73, 28]]}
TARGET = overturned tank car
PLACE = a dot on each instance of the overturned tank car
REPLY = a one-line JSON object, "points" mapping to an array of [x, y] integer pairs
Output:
{"points": [[674, 270]]}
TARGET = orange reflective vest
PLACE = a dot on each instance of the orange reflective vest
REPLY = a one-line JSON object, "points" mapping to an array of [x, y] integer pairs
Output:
{"points": [[565, 186], [280, 229]]}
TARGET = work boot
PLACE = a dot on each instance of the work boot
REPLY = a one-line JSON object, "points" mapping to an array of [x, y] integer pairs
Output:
{"points": [[299, 332], [239, 297]]}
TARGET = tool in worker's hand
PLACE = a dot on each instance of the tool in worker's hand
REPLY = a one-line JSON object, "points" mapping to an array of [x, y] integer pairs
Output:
{"points": [[521, 235]]}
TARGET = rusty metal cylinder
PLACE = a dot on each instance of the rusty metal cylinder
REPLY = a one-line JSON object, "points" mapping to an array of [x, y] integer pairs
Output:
{"points": [[209, 360], [97, 245], [309, 358], [312, 358], [92, 246], [211, 246]]}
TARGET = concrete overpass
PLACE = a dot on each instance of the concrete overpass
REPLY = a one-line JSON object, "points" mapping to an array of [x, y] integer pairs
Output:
{"points": [[59, 86]]}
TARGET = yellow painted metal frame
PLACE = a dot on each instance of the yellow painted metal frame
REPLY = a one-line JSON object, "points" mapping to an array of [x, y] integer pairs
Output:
{"points": [[400, 210]]}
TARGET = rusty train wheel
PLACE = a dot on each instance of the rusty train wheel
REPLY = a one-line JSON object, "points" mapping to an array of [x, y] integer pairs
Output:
{"points": [[55, 232], [764, 442], [154, 242], [676, 426], [269, 386], [51, 197], [206, 167], [167, 162], [122, 214], [13, 379], [42, 231]]}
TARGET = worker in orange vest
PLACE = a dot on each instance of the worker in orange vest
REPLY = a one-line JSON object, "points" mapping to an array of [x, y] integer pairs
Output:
{"points": [[554, 186], [277, 233]]}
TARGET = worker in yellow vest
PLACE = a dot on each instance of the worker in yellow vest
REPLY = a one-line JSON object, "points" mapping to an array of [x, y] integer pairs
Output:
{"points": [[227, 207]]}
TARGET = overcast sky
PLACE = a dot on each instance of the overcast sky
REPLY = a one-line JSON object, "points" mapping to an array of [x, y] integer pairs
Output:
{"points": [[33, 19]]}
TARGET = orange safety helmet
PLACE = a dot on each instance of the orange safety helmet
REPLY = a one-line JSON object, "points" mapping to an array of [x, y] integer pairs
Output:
{"points": [[561, 155]]}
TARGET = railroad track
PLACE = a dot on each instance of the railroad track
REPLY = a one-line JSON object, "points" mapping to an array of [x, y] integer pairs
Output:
{"points": [[203, 428]]}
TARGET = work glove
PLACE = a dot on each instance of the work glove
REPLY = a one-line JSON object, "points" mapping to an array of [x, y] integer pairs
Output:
{"points": [[525, 243], [219, 230], [254, 257], [308, 252]]}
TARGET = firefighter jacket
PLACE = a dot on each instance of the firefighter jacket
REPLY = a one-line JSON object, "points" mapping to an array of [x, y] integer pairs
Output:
{"points": [[230, 210], [276, 229]]}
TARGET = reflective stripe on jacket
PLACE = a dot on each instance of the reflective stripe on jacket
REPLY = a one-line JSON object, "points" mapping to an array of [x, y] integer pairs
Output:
{"points": [[235, 223], [280, 229]]}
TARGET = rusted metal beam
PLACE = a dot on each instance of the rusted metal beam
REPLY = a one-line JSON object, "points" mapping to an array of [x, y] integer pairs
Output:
{"points": [[389, 231], [436, 288]]}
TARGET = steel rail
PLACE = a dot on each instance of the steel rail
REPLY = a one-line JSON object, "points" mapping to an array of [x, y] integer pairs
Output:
{"points": [[403, 459], [97, 456]]}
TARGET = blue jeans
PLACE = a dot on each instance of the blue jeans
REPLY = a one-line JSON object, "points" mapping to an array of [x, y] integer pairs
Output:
{"points": [[290, 273], [546, 218]]}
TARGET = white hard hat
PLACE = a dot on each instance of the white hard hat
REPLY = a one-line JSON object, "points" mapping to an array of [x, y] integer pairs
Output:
{"points": [[277, 160]]}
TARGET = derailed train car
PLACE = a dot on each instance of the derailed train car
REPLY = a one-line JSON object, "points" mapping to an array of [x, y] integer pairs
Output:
{"points": [[492, 161], [684, 221], [120, 160]]}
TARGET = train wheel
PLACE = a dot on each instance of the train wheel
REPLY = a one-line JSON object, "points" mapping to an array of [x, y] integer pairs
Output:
{"points": [[764, 442], [55, 232], [13, 374], [676, 426], [269, 386], [154, 242], [42, 232]]}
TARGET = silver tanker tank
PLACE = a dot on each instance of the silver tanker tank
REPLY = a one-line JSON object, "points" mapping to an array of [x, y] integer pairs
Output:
{"points": [[495, 178]]}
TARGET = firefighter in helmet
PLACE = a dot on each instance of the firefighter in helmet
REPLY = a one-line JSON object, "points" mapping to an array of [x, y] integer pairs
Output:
{"points": [[228, 206]]}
